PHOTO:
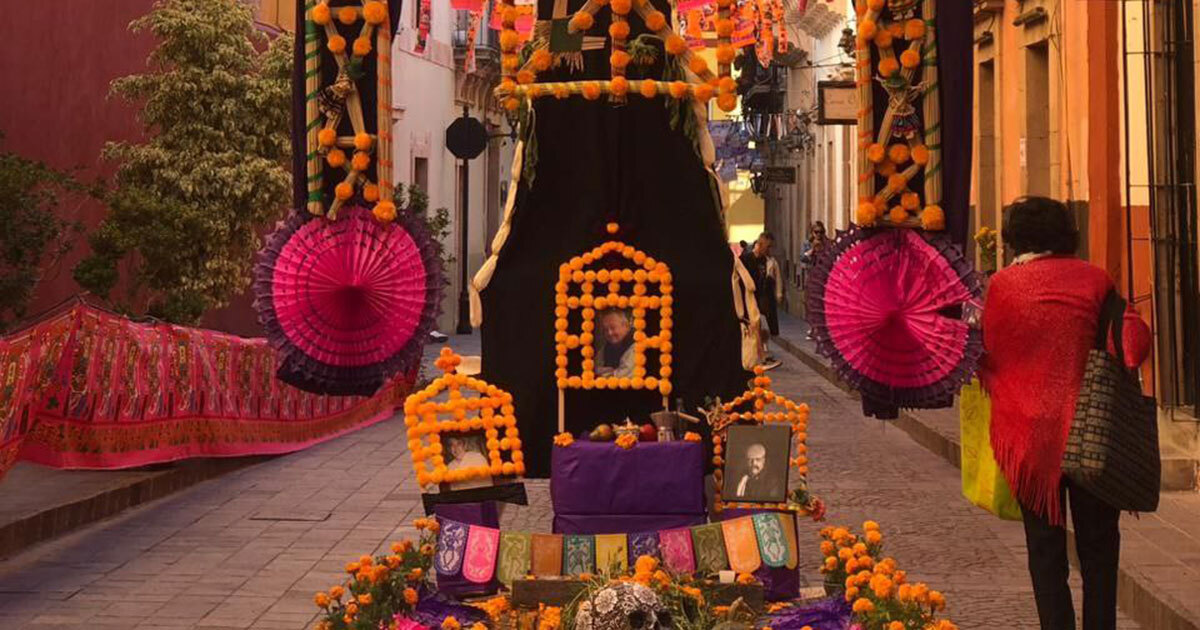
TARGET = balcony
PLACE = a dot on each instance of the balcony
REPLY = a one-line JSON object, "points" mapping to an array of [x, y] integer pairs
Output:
{"points": [[487, 45], [988, 8]]}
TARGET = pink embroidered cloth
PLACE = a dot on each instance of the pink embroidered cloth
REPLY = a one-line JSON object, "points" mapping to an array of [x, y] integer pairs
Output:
{"points": [[85, 388]]}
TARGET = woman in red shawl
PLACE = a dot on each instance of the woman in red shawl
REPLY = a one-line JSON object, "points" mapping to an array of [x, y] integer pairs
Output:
{"points": [[1040, 320]]}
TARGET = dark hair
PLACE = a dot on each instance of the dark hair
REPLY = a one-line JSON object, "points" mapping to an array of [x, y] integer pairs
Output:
{"points": [[768, 236], [1033, 225]]}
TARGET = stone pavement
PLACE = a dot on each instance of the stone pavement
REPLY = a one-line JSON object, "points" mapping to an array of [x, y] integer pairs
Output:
{"points": [[1160, 552], [249, 549]]}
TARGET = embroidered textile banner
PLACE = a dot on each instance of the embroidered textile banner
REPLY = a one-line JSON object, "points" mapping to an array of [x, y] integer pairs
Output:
{"points": [[85, 388], [515, 554]]}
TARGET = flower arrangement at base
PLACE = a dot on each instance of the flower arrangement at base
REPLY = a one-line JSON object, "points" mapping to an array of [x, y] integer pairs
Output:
{"points": [[877, 590], [380, 591], [564, 439], [627, 441], [650, 590]]}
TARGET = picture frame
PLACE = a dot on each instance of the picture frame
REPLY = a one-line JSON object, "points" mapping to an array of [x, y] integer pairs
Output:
{"points": [[837, 103], [778, 426]]}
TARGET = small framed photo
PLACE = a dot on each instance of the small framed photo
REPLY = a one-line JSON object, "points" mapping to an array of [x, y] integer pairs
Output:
{"points": [[466, 451], [756, 468]]}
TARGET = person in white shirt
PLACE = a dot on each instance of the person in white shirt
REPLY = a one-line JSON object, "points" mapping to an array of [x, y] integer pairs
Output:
{"points": [[754, 485], [465, 457]]}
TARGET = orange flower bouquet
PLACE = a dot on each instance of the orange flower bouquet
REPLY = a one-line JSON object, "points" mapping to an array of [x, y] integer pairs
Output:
{"points": [[877, 590]]}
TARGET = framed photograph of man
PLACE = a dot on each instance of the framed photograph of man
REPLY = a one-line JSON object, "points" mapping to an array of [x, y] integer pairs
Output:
{"points": [[756, 463]]}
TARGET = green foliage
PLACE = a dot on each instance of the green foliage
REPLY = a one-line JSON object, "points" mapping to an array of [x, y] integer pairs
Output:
{"points": [[414, 200], [187, 204], [31, 234]]}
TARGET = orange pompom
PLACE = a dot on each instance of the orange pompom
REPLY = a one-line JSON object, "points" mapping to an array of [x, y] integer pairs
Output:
{"points": [[656, 21], [910, 59], [512, 103], [887, 168], [507, 86], [375, 12], [678, 89], [933, 218], [343, 191], [509, 63], [698, 64], [899, 153], [362, 141], [336, 158], [581, 21], [883, 38], [618, 30], [509, 40], [362, 46], [875, 153], [621, 7], [867, 30], [612, 227], [888, 66], [321, 14], [726, 85], [327, 137], [619, 59], [898, 215], [541, 59], [920, 154], [727, 102], [911, 201], [370, 193], [703, 92], [865, 215], [914, 29], [675, 44], [384, 212], [591, 90], [619, 86], [525, 77], [347, 15], [336, 44], [360, 161], [724, 27], [897, 182], [648, 88], [508, 16], [725, 54]]}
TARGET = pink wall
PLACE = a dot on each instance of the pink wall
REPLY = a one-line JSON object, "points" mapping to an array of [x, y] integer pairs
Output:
{"points": [[54, 107]]}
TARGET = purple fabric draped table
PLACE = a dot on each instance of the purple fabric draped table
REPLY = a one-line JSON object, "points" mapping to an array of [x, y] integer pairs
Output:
{"points": [[780, 584], [600, 488]]}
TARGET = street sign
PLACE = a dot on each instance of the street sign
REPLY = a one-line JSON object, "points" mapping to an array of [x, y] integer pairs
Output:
{"points": [[837, 103], [466, 138], [780, 174]]}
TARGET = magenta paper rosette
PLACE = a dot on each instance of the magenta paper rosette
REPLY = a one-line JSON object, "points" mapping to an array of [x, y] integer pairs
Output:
{"points": [[348, 303]]}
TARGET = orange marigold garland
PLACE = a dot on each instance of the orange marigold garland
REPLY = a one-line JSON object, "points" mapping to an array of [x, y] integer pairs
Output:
{"points": [[490, 410]]}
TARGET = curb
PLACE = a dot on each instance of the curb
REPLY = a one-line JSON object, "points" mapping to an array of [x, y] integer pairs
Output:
{"points": [[1139, 600], [17, 536]]}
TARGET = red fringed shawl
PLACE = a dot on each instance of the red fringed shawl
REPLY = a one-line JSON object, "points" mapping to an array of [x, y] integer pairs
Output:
{"points": [[1039, 321]]}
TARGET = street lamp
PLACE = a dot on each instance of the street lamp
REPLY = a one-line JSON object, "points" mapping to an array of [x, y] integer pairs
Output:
{"points": [[466, 138]]}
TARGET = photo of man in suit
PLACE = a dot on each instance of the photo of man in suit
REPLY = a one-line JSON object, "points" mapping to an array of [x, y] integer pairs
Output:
{"points": [[757, 464]]}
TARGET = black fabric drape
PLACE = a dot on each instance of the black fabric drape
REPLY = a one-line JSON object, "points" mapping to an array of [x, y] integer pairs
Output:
{"points": [[956, 49], [597, 162]]}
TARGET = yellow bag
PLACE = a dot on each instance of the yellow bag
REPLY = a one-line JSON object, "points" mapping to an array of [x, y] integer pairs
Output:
{"points": [[982, 482]]}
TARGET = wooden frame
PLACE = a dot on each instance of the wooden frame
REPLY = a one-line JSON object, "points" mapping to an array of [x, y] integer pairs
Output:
{"points": [[840, 117]]}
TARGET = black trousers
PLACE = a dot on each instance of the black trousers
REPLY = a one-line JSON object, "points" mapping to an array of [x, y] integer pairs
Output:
{"points": [[1098, 544]]}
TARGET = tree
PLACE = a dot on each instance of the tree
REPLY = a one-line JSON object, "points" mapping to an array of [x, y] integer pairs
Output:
{"points": [[186, 205], [32, 237]]}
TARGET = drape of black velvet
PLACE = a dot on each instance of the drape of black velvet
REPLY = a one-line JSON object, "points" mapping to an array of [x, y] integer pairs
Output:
{"points": [[956, 50], [597, 162], [367, 89]]}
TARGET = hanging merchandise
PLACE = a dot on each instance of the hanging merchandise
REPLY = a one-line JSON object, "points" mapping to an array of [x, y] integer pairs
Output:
{"points": [[424, 23]]}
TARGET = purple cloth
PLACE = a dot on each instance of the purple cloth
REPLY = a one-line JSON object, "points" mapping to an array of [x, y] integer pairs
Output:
{"points": [[825, 614], [651, 478], [485, 514], [623, 523], [778, 584]]}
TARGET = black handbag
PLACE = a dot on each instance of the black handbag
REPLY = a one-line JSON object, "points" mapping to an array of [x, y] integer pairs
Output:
{"points": [[1112, 448]]}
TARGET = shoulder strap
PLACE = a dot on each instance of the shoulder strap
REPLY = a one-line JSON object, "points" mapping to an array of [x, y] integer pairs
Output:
{"points": [[1112, 322]]}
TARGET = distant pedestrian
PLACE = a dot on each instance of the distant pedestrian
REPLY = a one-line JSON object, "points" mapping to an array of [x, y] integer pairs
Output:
{"points": [[1040, 320], [816, 244], [768, 289]]}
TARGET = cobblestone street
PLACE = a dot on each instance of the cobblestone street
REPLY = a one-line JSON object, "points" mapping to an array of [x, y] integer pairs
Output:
{"points": [[249, 549]]}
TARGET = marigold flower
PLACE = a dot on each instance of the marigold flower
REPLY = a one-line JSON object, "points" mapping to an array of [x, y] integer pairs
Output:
{"points": [[450, 623], [352, 609], [410, 596], [645, 564], [691, 436], [920, 154], [375, 12], [936, 600], [888, 66], [914, 29], [321, 600], [336, 158], [337, 592], [910, 59], [745, 578], [621, 7], [863, 605], [619, 86], [618, 30], [362, 46], [627, 441], [541, 59], [581, 21], [321, 14], [361, 161], [352, 567], [564, 439], [336, 44], [675, 45], [933, 218], [874, 537]]}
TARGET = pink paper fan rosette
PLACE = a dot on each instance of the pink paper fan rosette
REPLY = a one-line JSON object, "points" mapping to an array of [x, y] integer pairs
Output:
{"points": [[348, 303], [886, 308]]}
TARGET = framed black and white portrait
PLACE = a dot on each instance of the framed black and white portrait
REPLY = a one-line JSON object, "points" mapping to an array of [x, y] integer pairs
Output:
{"points": [[756, 463]]}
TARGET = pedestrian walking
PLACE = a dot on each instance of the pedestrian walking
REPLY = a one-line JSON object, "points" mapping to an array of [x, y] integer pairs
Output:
{"points": [[1040, 319], [768, 289], [816, 244]]}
